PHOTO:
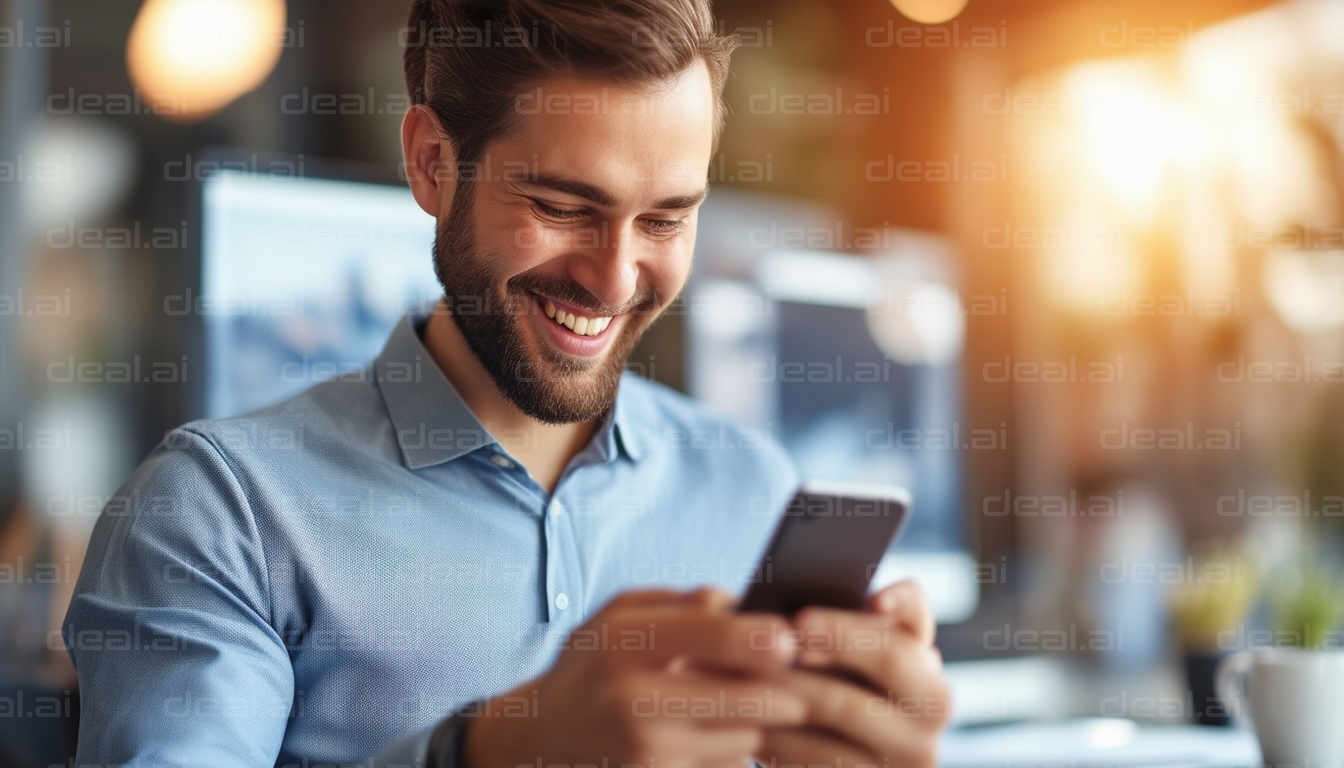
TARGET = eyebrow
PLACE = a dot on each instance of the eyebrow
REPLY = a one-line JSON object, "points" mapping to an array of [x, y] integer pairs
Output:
{"points": [[604, 198]]}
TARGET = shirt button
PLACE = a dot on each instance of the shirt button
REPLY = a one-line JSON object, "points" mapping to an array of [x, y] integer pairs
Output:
{"points": [[501, 461], [562, 601]]}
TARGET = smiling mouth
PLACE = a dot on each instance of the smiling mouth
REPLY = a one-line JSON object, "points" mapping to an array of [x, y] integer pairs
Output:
{"points": [[579, 324]]}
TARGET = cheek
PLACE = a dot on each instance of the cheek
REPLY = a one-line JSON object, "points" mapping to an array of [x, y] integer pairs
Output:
{"points": [[668, 270], [521, 245]]}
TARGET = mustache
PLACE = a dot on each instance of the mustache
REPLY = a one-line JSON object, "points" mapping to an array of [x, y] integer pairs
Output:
{"points": [[644, 301]]}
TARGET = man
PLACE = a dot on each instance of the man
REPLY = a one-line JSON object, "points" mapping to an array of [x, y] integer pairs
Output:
{"points": [[449, 562]]}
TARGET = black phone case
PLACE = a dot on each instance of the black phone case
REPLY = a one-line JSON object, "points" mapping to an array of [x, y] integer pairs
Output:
{"points": [[825, 551]]}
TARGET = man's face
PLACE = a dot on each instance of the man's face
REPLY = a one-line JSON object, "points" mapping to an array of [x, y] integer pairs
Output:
{"points": [[577, 233]]}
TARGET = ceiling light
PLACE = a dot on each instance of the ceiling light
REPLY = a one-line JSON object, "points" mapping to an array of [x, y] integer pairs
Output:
{"points": [[191, 58], [930, 11]]}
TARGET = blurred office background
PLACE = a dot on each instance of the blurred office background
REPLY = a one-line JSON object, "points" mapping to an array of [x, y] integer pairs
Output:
{"points": [[1071, 269]]}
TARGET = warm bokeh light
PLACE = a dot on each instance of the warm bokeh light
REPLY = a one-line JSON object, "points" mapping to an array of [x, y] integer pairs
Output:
{"points": [[1180, 155], [1305, 288], [1136, 132], [191, 58], [1097, 263], [930, 11]]}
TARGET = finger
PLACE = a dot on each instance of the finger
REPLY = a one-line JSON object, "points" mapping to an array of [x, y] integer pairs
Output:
{"points": [[704, 701], [758, 644], [868, 646], [905, 601], [844, 708], [726, 746], [813, 748], [712, 599], [682, 746], [884, 726]]}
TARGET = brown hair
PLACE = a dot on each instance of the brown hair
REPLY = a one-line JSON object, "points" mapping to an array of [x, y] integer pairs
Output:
{"points": [[469, 60]]}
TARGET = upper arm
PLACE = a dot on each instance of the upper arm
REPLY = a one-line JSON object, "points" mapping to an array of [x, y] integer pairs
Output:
{"points": [[170, 626]]}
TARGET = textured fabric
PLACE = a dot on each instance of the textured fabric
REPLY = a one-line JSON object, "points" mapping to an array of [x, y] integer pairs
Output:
{"points": [[328, 578]]}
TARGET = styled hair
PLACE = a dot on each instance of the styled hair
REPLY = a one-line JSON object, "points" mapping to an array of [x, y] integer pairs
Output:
{"points": [[470, 60]]}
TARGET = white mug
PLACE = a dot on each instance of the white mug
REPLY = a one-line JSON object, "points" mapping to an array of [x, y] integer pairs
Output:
{"points": [[1294, 700]]}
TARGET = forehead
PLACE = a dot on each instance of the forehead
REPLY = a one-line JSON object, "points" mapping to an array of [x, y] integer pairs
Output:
{"points": [[637, 141]]}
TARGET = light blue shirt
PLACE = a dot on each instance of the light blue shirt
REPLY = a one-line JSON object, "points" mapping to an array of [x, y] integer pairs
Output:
{"points": [[325, 580]]}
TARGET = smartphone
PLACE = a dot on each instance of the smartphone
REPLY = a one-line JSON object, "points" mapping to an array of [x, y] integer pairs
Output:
{"points": [[827, 547]]}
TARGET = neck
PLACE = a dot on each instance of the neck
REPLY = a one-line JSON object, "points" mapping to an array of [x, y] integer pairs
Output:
{"points": [[543, 449]]}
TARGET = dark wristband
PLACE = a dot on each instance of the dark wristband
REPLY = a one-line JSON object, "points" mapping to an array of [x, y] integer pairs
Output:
{"points": [[447, 741]]}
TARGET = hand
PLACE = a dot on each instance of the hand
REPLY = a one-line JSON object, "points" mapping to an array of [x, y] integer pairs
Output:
{"points": [[695, 685], [873, 686]]}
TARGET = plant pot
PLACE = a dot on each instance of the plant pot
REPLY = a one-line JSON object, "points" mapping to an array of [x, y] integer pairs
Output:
{"points": [[1208, 707]]}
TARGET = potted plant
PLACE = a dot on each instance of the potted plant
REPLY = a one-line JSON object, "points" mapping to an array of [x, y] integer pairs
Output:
{"points": [[1288, 690], [1308, 607], [1218, 590]]}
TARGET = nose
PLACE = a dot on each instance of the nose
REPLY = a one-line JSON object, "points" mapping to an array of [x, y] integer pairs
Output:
{"points": [[609, 268]]}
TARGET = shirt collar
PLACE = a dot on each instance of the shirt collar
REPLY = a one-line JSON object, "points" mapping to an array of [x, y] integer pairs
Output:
{"points": [[622, 420], [433, 424]]}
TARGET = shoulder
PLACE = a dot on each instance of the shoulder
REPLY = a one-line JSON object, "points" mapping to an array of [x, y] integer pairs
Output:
{"points": [[215, 479], [668, 423], [346, 411], [235, 469]]}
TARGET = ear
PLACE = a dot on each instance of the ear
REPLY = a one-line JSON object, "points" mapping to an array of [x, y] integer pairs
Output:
{"points": [[431, 160]]}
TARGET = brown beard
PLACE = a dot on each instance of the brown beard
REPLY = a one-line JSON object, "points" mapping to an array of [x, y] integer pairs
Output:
{"points": [[551, 387]]}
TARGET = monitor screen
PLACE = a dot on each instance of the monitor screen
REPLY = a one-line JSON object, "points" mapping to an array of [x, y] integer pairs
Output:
{"points": [[848, 412], [853, 364], [302, 279], [851, 361]]}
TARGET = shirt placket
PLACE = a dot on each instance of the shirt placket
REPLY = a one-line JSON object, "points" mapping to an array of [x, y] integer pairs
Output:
{"points": [[565, 591]]}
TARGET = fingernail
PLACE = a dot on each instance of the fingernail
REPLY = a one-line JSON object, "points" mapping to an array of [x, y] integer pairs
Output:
{"points": [[889, 601], [808, 620], [936, 657]]}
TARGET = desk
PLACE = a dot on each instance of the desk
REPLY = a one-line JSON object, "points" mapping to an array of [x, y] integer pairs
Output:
{"points": [[1097, 743]]}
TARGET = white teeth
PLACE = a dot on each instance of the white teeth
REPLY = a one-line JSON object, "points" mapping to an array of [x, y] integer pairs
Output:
{"points": [[583, 326]]}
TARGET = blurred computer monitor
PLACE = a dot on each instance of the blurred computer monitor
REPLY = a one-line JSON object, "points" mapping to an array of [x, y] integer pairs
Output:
{"points": [[303, 275], [852, 362]]}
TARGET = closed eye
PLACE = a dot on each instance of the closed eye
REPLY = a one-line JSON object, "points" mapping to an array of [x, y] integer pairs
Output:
{"points": [[563, 214], [655, 226], [664, 226]]}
